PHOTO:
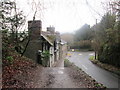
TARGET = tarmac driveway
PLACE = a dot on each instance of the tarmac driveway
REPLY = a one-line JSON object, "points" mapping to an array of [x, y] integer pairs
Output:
{"points": [[81, 59]]}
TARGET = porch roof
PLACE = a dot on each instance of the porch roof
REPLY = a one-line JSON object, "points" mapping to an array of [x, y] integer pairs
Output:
{"points": [[47, 39]]}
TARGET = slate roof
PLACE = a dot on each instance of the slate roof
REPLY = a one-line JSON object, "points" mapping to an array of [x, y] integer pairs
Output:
{"points": [[51, 37]]}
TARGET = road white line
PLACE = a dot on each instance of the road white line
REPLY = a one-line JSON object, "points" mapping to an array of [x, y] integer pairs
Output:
{"points": [[91, 54], [80, 54], [85, 67]]}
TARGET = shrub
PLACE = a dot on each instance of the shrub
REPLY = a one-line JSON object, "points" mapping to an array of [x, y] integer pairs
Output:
{"points": [[67, 63], [10, 59], [45, 58], [110, 54]]}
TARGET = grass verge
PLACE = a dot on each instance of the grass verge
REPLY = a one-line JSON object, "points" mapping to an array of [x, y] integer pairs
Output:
{"points": [[67, 63], [105, 66]]}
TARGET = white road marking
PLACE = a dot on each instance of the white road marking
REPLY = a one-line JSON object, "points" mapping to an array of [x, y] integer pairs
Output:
{"points": [[84, 67], [91, 54], [80, 54]]}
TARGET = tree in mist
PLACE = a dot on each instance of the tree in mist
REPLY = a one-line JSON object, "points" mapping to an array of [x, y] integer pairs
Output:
{"points": [[83, 33], [83, 37]]}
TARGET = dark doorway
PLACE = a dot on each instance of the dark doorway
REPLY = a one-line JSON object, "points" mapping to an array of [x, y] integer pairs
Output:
{"points": [[39, 60]]}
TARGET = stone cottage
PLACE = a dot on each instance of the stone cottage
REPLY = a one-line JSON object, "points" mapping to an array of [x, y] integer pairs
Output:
{"points": [[43, 43]]}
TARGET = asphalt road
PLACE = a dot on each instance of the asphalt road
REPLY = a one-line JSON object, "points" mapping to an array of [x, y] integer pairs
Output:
{"points": [[81, 59]]}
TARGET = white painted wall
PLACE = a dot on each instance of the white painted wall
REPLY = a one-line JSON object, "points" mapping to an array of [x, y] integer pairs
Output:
{"points": [[51, 56]]}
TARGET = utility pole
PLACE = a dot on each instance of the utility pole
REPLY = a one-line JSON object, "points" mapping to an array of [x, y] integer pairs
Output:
{"points": [[95, 41]]}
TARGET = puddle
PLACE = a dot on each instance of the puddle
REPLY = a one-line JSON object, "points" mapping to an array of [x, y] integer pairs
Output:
{"points": [[61, 68], [60, 72]]}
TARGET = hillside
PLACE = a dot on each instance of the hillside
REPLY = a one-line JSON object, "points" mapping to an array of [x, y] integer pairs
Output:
{"points": [[68, 37], [17, 71]]}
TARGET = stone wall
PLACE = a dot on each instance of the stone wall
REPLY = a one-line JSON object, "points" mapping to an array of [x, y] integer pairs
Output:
{"points": [[63, 51], [32, 49], [34, 29]]}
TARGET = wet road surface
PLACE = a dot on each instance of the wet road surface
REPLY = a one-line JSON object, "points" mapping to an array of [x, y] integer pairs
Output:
{"points": [[81, 59]]}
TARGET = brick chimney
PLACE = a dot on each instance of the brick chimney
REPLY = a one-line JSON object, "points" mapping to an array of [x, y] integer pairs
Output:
{"points": [[51, 29], [34, 28]]}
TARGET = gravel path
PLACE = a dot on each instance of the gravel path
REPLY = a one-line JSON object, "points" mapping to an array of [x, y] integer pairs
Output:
{"points": [[55, 77], [61, 77]]}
